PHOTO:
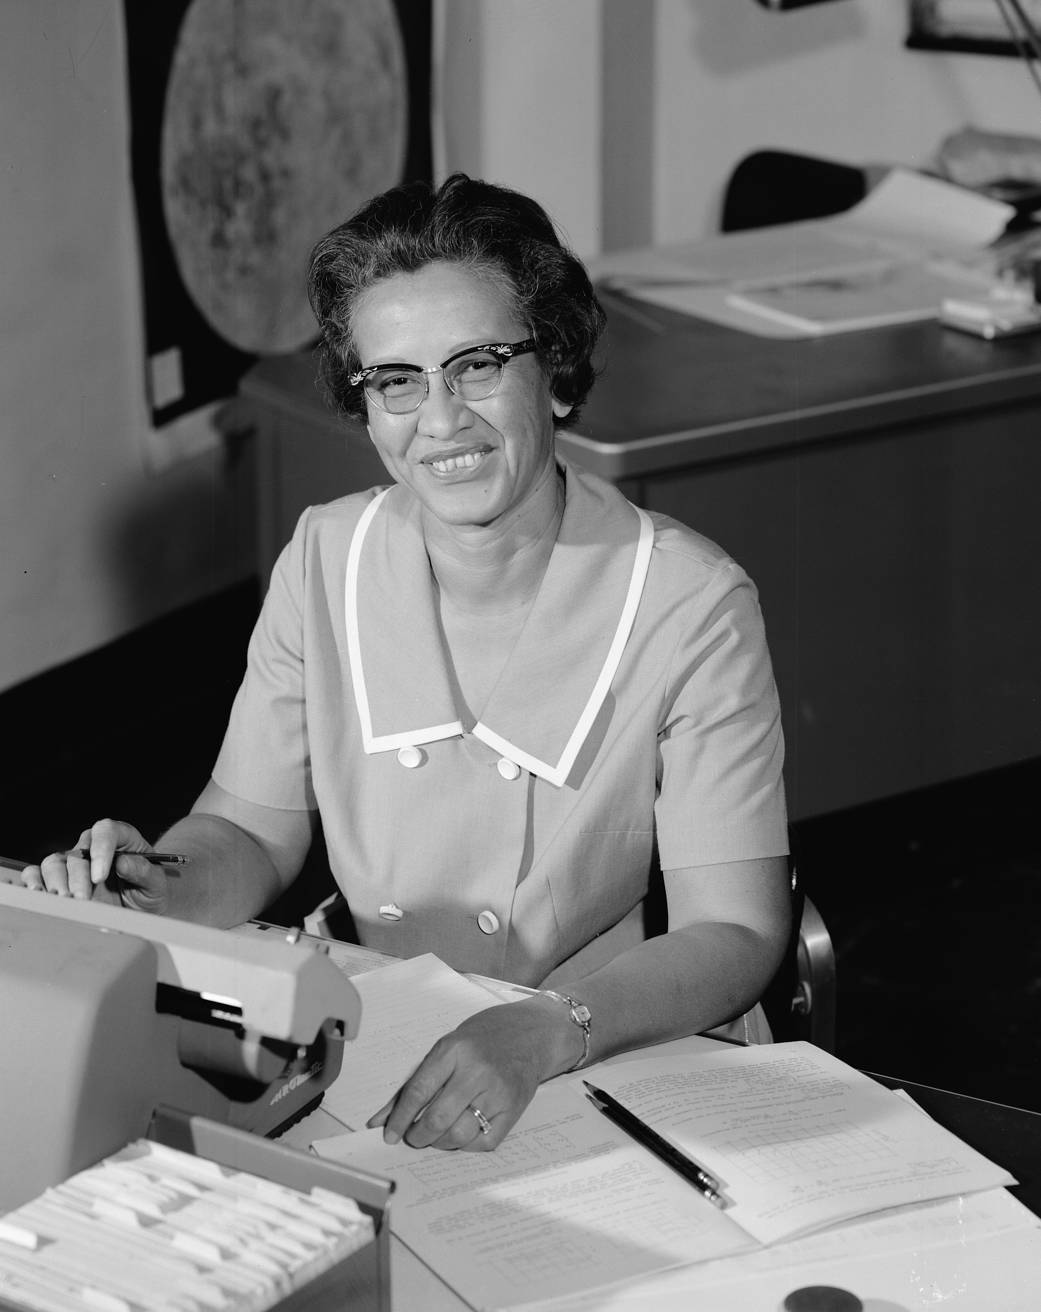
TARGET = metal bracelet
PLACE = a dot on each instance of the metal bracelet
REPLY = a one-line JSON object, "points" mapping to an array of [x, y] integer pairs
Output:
{"points": [[580, 1016]]}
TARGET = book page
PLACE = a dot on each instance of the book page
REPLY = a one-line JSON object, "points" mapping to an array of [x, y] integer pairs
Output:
{"points": [[797, 1138], [405, 1008], [566, 1203]]}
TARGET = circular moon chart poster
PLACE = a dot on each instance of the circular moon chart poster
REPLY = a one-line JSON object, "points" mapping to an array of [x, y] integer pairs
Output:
{"points": [[256, 126]]}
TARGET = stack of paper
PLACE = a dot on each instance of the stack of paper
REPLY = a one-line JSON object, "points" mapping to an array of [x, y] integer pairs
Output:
{"points": [[569, 1203], [913, 241]]}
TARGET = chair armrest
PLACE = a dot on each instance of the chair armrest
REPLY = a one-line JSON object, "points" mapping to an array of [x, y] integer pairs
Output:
{"points": [[816, 983]]}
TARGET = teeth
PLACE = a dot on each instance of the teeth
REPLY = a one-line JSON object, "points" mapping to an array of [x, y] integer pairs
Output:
{"points": [[468, 461]]}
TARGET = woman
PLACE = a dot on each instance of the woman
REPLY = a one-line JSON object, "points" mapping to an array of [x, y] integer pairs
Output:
{"points": [[508, 693]]}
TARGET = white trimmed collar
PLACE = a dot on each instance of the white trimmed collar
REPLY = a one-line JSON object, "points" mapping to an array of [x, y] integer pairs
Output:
{"points": [[541, 710]]}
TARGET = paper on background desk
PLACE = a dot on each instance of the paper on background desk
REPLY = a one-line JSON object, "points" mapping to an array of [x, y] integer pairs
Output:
{"points": [[908, 219], [914, 213], [861, 298], [405, 1007]]}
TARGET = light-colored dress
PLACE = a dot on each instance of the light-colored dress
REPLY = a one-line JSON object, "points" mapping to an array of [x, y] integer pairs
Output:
{"points": [[636, 721]]}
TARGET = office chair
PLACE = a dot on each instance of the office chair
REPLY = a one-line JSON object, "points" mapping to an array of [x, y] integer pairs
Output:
{"points": [[800, 1001], [777, 186]]}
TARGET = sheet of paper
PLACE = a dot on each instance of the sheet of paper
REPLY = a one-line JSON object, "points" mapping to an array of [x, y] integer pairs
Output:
{"points": [[790, 249], [405, 1008], [798, 1138], [699, 278], [972, 1254], [914, 211], [566, 1203], [840, 301], [908, 216]]}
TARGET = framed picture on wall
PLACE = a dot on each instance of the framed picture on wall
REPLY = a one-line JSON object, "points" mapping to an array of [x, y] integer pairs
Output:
{"points": [[255, 128], [986, 27]]}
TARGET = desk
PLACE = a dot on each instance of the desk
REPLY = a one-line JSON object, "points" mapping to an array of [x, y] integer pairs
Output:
{"points": [[1009, 1135], [879, 486]]}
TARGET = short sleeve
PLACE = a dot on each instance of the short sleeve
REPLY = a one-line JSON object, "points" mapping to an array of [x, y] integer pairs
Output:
{"points": [[265, 757], [721, 748]]}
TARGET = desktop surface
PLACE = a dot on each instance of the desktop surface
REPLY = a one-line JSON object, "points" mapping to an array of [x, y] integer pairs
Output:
{"points": [[676, 389], [1008, 1135]]}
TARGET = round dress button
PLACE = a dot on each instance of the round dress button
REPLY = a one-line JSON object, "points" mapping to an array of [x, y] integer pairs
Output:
{"points": [[410, 757], [487, 922], [391, 911], [507, 768]]}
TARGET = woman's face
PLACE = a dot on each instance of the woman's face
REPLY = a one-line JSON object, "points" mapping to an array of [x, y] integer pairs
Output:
{"points": [[468, 462]]}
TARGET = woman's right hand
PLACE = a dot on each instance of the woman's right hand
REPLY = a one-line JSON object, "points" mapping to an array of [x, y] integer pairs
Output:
{"points": [[112, 873]]}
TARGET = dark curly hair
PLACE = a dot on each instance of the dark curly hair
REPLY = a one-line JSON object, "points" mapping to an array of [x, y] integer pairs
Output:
{"points": [[499, 234]]}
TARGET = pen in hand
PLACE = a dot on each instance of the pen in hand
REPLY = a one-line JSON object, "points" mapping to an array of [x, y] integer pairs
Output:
{"points": [[706, 1184], [153, 858]]}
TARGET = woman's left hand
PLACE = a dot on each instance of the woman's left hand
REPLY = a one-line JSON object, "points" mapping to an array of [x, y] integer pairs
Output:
{"points": [[492, 1063]]}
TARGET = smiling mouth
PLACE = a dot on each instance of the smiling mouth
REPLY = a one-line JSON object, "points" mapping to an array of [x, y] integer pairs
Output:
{"points": [[454, 464]]}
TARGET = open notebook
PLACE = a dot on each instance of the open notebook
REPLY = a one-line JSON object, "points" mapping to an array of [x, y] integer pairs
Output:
{"points": [[569, 1203]]}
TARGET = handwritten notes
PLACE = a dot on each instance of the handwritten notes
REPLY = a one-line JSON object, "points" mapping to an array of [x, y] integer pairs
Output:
{"points": [[798, 1138], [570, 1203], [566, 1203]]}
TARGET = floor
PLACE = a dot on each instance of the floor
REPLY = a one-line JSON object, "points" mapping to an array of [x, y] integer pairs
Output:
{"points": [[933, 900]]}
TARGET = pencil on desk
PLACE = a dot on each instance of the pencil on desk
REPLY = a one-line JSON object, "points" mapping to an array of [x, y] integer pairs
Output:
{"points": [[153, 858], [706, 1184]]}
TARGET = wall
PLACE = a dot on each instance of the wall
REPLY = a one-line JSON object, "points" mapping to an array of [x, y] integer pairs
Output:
{"points": [[519, 99], [626, 117], [830, 79], [94, 538], [623, 116]]}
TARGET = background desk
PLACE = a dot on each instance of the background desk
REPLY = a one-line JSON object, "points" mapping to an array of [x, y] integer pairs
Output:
{"points": [[881, 487]]}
